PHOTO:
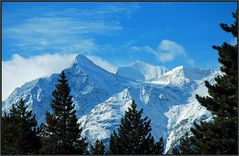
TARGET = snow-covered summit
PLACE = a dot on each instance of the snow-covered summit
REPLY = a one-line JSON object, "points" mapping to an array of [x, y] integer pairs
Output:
{"points": [[82, 59], [141, 71], [81, 62], [89, 85], [181, 75]]}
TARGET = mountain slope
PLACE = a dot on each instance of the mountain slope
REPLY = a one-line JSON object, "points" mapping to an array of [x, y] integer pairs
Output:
{"points": [[181, 75], [172, 110], [101, 97], [89, 85], [155, 100], [182, 116]]}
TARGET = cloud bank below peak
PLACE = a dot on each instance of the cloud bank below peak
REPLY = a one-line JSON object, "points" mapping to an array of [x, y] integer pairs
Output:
{"points": [[20, 70]]}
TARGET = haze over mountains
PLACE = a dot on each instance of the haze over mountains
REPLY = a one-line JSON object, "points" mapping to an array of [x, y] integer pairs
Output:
{"points": [[101, 97]]}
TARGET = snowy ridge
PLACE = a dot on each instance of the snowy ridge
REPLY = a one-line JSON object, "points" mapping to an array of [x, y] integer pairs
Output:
{"points": [[155, 100], [101, 97], [141, 71], [89, 85], [180, 76], [181, 117], [105, 117]]}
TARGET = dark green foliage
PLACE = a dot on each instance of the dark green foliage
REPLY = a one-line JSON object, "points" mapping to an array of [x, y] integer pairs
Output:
{"points": [[159, 147], [234, 27], [98, 149], [134, 135], [19, 131], [184, 147], [61, 133], [220, 136], [175, 151]]}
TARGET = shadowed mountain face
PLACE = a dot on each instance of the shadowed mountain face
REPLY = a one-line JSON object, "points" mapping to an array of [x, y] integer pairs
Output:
{"points": [[101, 98], [89, 85]]}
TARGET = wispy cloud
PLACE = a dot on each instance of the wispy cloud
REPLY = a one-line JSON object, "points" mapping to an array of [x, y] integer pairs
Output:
{"points": [[105, 11], [59, 34], [68, 30], [166, 51]]}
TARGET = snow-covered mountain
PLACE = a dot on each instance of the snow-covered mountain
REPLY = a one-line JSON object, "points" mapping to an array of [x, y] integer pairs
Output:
{"points": [[181, 116], [101, 97], [89, 85], [141, 71], [181, 75]]}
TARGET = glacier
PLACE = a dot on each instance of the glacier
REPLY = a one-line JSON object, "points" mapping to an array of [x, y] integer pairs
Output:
{"points": [[101, 97]]}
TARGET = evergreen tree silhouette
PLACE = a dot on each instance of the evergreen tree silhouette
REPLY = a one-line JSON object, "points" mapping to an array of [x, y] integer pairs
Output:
{"points": [[62, 133], [185, 146], [98, 149], [220, 136], [19, 131], [134, 135]]}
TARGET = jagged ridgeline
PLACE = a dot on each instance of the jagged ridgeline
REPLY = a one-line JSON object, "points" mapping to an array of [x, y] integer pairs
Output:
{"points": [[102, 97]]}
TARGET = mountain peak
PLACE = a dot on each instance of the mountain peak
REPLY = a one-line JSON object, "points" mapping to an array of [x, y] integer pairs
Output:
{"points": [[82, 59], [190, 73], [143, 64], [179, 75], [141, 71], [83, 63], [139, 62], [178, 69]]}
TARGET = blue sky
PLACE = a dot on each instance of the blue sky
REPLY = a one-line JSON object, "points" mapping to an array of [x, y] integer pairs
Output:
{"points": [[160, 33], [39, 38]]}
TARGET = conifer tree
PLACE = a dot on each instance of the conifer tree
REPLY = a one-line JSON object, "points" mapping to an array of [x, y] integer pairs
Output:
{"points": [[98, 149], [185, 146], [159, 147], [134, 135], [19, 131], [62, 133], [220, 136], [175, 151]]}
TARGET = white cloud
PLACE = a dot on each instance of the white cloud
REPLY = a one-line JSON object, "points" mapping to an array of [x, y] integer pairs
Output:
{"points": [[19, 70], [166, 51], [169, 50]]}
